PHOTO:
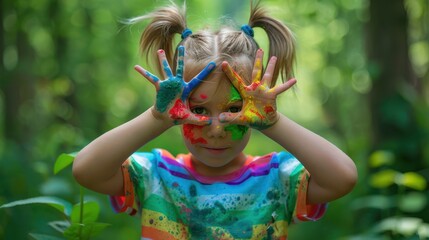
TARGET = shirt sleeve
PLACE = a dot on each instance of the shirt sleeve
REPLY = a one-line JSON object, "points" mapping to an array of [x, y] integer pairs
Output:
{"points": [[304, 211], [295, 179], [125, 203], [136, 173]]}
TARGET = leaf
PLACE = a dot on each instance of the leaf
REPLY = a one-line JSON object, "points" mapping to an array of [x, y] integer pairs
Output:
{"points": [[57, 203], [91, 211], [423, 231], [412, 202], [383, 179], [373, 201], [38, 236], [412, 180], [63, 161], [406, 226], [60, 226], [381, 158], [87, 230]]}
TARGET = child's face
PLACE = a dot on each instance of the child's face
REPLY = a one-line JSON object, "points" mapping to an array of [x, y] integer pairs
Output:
{"points": [[217, 144]]}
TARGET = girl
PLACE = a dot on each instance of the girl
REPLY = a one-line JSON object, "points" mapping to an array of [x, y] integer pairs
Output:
{"points": [[216, 191]]}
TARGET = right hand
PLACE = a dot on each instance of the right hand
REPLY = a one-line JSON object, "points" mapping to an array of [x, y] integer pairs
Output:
{"points": [[173, 92]]}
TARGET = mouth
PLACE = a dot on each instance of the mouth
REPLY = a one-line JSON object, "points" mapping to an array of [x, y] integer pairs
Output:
{"points": [[216, 150]]}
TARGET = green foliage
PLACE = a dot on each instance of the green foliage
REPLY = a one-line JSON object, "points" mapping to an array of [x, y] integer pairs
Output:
{"points": [[408, 198], [59, 204], [67, 77], [81, 218]]}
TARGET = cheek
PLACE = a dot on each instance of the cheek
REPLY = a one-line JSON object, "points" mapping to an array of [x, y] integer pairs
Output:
{"points": [[193, 133], [237, 131]]}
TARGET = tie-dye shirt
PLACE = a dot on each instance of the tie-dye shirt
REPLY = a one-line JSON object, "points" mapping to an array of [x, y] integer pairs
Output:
{"points": [[259, 201]]}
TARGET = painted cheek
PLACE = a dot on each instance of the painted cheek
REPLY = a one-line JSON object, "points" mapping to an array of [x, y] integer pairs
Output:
{"points": [[193, 133], [203, 96], [237, 131]]}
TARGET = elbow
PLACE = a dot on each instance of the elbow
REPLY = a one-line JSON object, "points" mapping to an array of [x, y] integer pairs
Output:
{"points": [[79, 171], [349, 178]]}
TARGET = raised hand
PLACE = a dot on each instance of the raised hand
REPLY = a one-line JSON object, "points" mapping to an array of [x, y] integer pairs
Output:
{"points": [[259, 109], [173, 92]]}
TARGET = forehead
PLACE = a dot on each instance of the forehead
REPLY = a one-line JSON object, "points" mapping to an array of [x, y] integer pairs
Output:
{"points": [[216, 89]]}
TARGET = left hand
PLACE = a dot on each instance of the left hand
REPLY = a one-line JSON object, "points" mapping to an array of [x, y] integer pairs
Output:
{"points": [[259, 109]]}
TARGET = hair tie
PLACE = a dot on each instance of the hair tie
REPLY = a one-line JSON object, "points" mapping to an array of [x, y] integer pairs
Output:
{"points": [[186, 33], [247, 30]]}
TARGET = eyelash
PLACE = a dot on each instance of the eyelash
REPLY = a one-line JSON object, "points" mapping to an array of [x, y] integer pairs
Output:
{"points": [[195, 109]]}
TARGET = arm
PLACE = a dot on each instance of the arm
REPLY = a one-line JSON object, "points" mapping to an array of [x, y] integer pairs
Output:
{"points": [[333, 173], [98, 165]]}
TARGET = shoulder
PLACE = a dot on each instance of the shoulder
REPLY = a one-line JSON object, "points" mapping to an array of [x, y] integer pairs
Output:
{"points": [[147, 159]]}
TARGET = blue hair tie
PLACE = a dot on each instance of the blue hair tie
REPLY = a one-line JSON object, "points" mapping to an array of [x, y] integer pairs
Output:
{"points": [[247, 30], [186, 33]]}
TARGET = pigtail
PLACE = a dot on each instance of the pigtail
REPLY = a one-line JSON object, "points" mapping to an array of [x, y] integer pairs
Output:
{"points": [[281, 40], [160, 32]]}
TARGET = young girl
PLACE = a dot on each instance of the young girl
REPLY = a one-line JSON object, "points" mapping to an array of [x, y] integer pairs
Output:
{"points": [[218, 94]]}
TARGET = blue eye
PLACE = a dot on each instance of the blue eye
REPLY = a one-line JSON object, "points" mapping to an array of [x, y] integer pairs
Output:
{"points": [[199, 110]]}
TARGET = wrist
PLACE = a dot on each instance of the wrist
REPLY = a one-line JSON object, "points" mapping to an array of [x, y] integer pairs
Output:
{"points": [[273, 123], [161, 117]]}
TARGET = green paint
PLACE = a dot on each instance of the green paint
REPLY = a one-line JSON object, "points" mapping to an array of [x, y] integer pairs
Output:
{"points": [[237, 131], [235, 95], [167, 93]]}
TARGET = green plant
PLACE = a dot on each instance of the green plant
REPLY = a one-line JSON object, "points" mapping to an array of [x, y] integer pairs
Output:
{"points": [[401, 195], [80, 219]]}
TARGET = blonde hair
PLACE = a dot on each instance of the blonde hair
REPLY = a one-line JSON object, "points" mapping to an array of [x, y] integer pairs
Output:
{"points": [[225, 44]]}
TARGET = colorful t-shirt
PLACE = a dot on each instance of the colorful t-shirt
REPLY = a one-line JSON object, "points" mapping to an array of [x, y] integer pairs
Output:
{"points": [[259, 201]]}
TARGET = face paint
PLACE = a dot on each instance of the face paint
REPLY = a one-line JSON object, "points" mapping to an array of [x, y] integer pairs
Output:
{"points": [[203, 96], [237, 131], [235, 95], [189, 131]]}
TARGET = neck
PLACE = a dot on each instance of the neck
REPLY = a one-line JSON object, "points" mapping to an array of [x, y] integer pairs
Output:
{"points": [[236, 164]]}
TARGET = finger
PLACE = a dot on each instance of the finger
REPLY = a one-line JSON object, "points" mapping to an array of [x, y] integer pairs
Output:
{"points": [[164, 63], [268, 75], [233, 77], [180, 58], [284, 86], [257, 66], [149, 76], [197, 120], [198, 79], [232, 118]]}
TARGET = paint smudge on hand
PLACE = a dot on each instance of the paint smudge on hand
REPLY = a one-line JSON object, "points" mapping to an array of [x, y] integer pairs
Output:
{"points": [[168, 91]]}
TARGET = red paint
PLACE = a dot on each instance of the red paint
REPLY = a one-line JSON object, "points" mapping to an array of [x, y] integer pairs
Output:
{"points": [[189, 131], [268, 109], [203, 96], [254, 85], [257, 113], [179, 110]]}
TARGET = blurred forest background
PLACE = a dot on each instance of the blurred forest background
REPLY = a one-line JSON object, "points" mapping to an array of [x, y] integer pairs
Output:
{"points": [[363, 69]]}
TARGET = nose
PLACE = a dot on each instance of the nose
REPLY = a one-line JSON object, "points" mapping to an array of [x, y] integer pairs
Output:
{"points": [[216, 129]]}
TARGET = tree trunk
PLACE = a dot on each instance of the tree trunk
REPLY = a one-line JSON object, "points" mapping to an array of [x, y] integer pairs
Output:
{"points": [[393, 119]]}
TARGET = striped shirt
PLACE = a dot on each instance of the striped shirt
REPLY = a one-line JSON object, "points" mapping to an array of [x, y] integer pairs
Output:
{"points": [[259, 201]]}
